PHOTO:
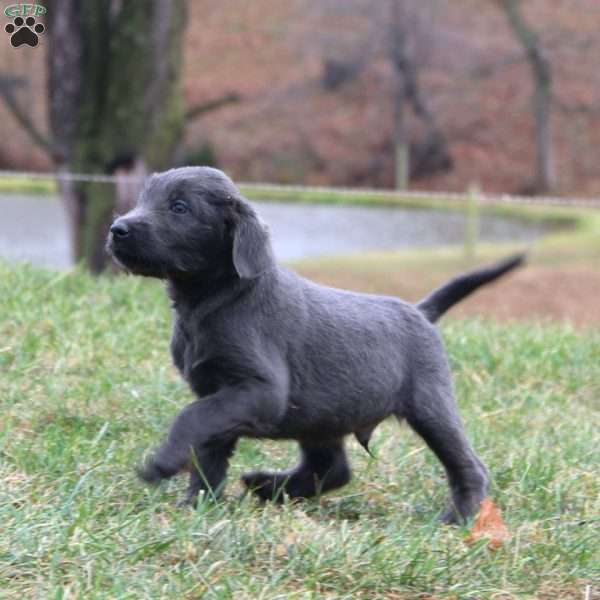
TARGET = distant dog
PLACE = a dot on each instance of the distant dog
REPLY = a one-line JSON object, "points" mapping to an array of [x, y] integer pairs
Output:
{"points": [[272, 355]]}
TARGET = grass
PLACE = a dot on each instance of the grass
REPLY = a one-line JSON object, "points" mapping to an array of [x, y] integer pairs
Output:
{"points": [[572, 242], [86, 388], [27, 185]]}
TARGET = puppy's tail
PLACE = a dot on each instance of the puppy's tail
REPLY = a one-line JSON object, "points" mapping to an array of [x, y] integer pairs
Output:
{"points": [[441, 299]]}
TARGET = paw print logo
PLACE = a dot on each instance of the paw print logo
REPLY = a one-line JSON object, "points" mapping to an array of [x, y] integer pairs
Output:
{"points": [[24, 31]]}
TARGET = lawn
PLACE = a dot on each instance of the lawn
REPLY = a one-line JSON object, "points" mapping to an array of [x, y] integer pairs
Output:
{"points": [[87, 388]]}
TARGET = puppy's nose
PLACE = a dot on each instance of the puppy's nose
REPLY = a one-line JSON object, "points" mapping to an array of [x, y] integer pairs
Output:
{"points": [[120, 228]]}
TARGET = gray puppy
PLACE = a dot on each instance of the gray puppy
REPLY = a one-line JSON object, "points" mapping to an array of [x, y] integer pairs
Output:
{"points": [[269, 354]]}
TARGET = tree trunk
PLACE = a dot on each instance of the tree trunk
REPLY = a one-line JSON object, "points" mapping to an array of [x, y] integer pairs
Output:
{"points": [[114, 87], [545, 178], [434, 149], [542, 105], [397, 45], [401, 141], [402, 159]]}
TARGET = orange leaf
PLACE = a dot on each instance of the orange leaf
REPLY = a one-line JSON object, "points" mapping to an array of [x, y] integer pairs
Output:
{"points": [[489, 524]]}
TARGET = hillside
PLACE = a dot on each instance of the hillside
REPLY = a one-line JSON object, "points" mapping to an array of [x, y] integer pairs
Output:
{"points": [[289, 128], [87, 388]]}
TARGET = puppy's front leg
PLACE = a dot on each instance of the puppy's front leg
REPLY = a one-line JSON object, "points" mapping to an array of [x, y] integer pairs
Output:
{"points": [[208, 469], [206, 430]]}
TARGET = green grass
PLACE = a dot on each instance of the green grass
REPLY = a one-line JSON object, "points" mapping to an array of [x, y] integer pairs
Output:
{"points": [[86, 388], [26, 185]]}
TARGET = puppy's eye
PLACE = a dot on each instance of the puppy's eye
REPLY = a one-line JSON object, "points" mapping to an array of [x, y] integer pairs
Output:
{"points": [[179, 207]]}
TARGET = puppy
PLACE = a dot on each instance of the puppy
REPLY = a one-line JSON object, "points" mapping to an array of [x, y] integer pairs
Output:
{"points": [[269, 354]]}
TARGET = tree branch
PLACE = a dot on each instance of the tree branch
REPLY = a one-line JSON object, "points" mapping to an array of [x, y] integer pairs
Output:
{"points": [[541, 70], [198, 110], [485, 71], [528, 39], [577, 108], [7, 86]]}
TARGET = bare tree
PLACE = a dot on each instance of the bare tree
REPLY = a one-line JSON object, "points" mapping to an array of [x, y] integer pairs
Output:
{"points": [[404, 70], [541, 71], [114, 102], [398, 33], [115, 105], [408, 91]]}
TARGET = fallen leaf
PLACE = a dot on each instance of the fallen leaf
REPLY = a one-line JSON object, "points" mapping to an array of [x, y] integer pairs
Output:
{"points": [[489, 525]]}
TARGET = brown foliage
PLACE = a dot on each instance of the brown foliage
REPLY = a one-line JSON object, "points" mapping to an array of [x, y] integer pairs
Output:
{"points": [[289, 128], [489, 525]]}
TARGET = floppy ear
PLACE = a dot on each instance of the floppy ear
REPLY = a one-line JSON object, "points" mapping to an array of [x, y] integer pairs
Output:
{"points": [[252, 252]]}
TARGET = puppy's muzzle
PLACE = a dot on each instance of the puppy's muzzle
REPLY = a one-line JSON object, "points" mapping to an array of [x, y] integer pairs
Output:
{"points": [[120, 229], [121, 239]]}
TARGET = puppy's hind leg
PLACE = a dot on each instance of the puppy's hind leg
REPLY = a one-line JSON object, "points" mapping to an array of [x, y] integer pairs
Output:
{"points": [[323, 467], [433, 414]]}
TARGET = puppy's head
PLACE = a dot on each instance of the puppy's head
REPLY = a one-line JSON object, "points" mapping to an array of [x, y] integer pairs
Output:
{"points": [[189, 222]]}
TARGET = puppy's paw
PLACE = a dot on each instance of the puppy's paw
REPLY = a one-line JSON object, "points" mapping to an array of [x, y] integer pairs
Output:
{"points": [[149, 473], [153, 471], [451, 517], [462, 508], [190, 500], [264, 485]]}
